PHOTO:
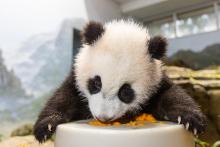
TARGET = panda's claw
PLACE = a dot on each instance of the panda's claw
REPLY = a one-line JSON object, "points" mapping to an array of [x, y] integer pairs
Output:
{"points": [[193, 121], [187, 126], [166, 117], [45, 137], [179, 119], [49, 127], [195, 131]]}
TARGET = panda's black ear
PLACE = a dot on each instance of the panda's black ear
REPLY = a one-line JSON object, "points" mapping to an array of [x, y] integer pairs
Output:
{"points": [[91, 32], [157, 47]]}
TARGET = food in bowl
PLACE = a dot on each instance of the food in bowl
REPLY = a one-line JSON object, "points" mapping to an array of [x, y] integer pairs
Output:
{"points": [[139, 121]]}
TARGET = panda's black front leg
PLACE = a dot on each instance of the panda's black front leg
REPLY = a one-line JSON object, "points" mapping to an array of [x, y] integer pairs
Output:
{"points": [[192, 120], [45, 126], [175, 105], [64, 106]]}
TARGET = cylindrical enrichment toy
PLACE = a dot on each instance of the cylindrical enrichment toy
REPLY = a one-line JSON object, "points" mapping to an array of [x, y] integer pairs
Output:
{"points": [[81, 134]]}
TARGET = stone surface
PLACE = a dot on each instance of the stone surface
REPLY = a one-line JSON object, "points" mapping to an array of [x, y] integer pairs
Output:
{"points": [[215, 106], [24, 141]]}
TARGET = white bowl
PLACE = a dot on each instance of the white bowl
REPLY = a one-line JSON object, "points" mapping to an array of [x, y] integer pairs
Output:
{"points": [[81, 134]]}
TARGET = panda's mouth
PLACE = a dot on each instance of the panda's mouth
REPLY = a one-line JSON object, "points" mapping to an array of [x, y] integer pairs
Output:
{"points": [[104, 119], [123, 119]]}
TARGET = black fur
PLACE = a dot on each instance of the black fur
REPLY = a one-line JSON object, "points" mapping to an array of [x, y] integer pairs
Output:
{"points": [[157, 47], [94, 85], [92, 32], [126, 94], [64, 106], [169, 100]]}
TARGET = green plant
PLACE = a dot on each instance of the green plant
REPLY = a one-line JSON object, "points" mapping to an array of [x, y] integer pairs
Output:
{"points": [[200, 143], [216, 144]]}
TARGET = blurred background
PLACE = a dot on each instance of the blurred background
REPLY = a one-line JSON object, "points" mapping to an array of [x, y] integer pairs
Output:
{"points": [[39, 39]]}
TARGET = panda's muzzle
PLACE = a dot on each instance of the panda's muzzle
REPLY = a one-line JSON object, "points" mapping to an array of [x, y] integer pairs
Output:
{"points": [[104, 118]]}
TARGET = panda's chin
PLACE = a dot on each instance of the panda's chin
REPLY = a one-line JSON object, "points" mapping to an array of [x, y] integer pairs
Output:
{"points": [[120, 118], [105, 118], [104, 121]]}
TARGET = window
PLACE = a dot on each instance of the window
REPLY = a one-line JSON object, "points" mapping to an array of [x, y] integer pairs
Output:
{"points": [[187, 23], [203, 20], [163, 27]]}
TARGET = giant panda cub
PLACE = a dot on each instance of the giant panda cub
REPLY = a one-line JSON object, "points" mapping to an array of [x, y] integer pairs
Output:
{"points": [[118, 73]]}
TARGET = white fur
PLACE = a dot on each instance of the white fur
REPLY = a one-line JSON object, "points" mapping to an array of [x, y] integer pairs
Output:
{"points": [[119, 56]]}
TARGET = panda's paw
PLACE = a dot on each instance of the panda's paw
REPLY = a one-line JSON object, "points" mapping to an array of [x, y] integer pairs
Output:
{"points": [[43, 131], [45, 128], [194, 122]]}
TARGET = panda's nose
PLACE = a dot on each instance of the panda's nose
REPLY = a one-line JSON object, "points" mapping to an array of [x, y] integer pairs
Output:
{"points": [[104, 118]]}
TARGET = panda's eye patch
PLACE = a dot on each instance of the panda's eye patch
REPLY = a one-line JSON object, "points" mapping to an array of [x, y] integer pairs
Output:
{"points": [[94, 85], [126, 93]]}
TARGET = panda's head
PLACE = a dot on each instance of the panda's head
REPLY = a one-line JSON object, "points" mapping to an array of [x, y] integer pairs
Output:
{"points": [[118, 67]]}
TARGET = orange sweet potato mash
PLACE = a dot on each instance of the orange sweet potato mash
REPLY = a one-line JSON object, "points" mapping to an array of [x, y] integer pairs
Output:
{"points": [[139, 121]]}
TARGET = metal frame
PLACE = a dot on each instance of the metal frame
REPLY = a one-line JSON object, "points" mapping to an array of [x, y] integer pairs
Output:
{"points": [[175, 24], [217, 15]]}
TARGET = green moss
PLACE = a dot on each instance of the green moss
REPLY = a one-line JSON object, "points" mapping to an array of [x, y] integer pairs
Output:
{"points": [[24, 130], [200, 143], [216, 144]]}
